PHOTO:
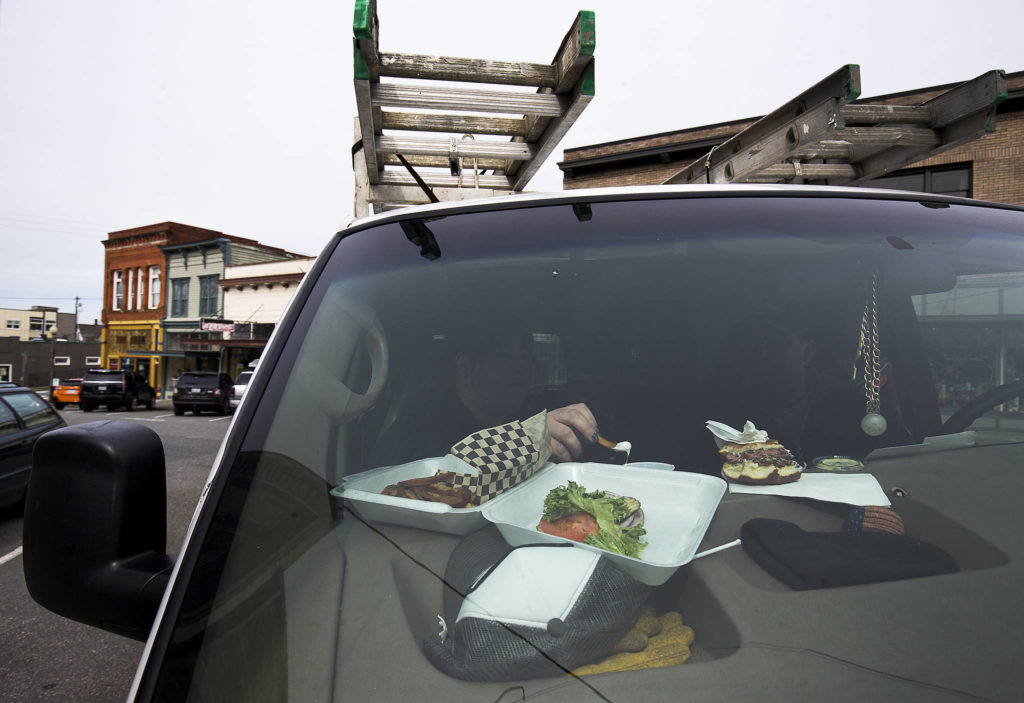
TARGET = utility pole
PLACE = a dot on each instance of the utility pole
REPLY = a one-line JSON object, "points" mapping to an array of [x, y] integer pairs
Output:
{"points": [[77, 305]]}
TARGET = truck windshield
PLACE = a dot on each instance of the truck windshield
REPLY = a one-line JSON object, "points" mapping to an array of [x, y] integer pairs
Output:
{"points": [[332, 554]]}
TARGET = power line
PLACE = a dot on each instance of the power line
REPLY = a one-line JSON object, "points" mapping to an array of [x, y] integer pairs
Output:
{"points": [[21, 215]]}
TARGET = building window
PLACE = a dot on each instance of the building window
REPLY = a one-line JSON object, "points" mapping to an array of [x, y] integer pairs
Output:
{"points": [[35, 324], [118, 290], [941, 180], [92, 361], [138, 291], [131, 280], [14, 324], [208, 289], [179, 297], [5, 372], [154, 287], [62, 361]]}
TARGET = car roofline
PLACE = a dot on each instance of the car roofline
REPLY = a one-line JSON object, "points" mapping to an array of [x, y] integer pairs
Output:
{"points": [[537, 199]]}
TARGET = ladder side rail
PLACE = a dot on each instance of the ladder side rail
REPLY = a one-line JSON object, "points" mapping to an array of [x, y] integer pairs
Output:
{"points": [[574, 66], [365, 33], [361, 196], [777, 145], [842, 86], [367, 128], [555, 130], [983, 93], [575, 52]]}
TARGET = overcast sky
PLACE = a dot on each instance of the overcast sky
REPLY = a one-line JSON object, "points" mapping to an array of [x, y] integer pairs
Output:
{"points": [[236, 115]]}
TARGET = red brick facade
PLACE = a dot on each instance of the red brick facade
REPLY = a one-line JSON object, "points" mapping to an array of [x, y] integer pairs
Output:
{"points": [[139, 248]]}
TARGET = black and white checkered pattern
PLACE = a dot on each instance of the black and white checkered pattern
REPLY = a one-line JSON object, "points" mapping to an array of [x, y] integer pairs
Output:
{"points": [[503, 456]]}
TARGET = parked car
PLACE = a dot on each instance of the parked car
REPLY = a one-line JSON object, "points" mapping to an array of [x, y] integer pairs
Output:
{"points": [[65, 392], [239, 386], [24, 417], [890, 570], [115, 388], [202, 390]]}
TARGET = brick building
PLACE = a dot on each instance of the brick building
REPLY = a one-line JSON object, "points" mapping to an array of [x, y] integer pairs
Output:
{"points": [[144, 269], [134, 294], [989, 168]]}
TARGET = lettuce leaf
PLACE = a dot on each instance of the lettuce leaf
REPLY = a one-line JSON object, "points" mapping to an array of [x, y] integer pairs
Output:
{"points": [[607, 510]]}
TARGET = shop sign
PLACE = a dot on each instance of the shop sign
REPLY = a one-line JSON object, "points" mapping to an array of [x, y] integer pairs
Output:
{"points": [[212, 325]]}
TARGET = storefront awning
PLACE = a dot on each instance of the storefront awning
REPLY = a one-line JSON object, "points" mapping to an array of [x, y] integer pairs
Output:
{"points": [[176, 354], [241, 343]]}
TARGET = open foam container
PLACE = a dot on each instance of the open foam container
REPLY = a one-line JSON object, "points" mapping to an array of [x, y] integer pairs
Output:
{"points": [[678, 507], [363, 490]]}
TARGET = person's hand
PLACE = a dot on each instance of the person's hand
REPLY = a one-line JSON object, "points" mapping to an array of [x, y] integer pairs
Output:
{"points": [[570, 427]]}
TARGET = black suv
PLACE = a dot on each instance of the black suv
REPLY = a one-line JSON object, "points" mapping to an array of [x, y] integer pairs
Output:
{"points": [[113, 389], [24, 417], [202, 390]]}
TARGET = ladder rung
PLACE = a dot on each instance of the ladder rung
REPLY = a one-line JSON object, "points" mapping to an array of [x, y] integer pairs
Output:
{"points": [[883, 114], [457, 124], [397, 178], [466, 99], [810, 171], [831, 148], [453, 68], [888, 136], [415, 194], [517, 151], [420, 161]]}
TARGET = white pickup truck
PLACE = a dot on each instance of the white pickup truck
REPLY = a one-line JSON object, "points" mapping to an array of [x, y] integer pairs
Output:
{"points": [[885, 328]]}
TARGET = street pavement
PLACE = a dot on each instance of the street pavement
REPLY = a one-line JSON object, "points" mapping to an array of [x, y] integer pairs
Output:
{"points": [[45, 657]]}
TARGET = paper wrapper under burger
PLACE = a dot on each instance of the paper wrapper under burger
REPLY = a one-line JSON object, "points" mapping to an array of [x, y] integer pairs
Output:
{"points": [[503, 456]]}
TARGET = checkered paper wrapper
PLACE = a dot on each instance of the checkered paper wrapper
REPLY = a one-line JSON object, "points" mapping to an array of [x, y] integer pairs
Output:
{"points": [[503, 456]]}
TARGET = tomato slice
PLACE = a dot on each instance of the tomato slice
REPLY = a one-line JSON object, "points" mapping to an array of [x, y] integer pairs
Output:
{"points": [[575, 526]]}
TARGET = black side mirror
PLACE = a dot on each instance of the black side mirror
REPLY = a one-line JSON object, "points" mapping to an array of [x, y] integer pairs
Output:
{"points": [[95, 528]]}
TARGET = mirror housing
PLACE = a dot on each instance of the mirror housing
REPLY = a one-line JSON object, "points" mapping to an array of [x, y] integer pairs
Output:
{"points": [[95, 528]]}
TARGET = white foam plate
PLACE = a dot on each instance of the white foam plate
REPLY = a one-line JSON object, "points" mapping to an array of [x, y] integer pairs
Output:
{"points": [[678, 507], [364, 491]]}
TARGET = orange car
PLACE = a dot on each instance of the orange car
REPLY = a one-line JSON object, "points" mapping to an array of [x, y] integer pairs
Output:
{"points": [[65, 392]]}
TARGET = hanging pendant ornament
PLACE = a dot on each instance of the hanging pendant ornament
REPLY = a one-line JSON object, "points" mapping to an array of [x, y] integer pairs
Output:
{"points": [[873, 423]]}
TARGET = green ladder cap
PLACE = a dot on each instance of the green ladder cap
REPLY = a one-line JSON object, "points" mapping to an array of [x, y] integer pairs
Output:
{"points": [[588, 35], [852, 88], [360, 71], [1003, 94], [362, 21], [587, 86]]}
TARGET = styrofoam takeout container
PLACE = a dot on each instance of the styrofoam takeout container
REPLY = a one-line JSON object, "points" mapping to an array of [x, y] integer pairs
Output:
{"points": [[364, 491], [678, 507]]}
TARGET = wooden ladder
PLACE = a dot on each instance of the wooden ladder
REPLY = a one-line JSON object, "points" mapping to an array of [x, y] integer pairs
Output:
{"points": [[437, 142], [822, 137]]}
